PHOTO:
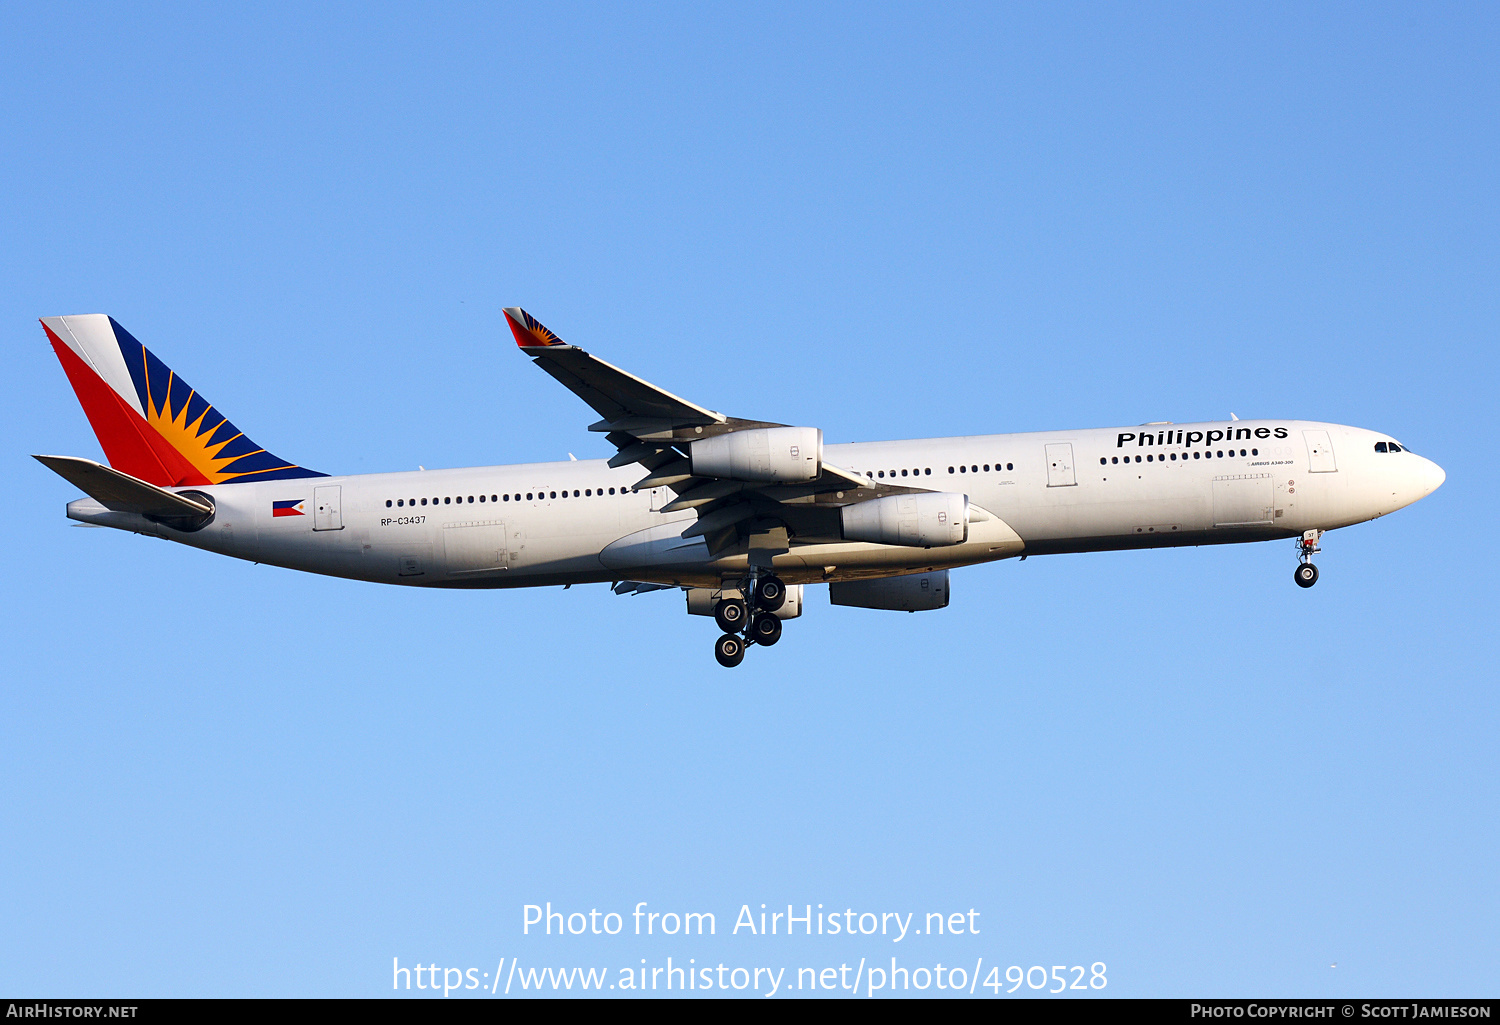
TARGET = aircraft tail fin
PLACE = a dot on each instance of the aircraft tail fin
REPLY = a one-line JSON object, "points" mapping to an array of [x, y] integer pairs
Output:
{"points": [[152, 425]]}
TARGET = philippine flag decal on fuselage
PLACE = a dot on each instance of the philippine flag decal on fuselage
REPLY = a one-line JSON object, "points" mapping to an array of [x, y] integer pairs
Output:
{"points": [[292, 507]]}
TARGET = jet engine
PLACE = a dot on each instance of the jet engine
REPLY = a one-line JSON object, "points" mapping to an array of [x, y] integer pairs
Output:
{"points": [[915, 592], [770, 454], [926, 520]]}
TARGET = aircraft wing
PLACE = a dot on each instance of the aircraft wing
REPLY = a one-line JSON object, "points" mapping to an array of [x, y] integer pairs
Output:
{"points": [[651, 426]]}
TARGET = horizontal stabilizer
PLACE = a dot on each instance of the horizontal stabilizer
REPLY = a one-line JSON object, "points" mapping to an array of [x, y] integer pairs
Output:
{"points": [[122, 492]]}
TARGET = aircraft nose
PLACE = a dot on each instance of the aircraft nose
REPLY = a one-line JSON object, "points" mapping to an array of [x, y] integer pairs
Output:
{"points": [[1431, 476]]}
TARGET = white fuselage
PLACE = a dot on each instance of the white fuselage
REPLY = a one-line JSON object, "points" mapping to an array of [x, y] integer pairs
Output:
{"points": [[538, 524]]}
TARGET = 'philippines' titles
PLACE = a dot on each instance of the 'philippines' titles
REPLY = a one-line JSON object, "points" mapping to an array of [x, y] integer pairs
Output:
{"points": [[1188, 439]]}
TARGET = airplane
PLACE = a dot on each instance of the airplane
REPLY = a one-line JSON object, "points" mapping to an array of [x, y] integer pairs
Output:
{"points": [[742, 515]]}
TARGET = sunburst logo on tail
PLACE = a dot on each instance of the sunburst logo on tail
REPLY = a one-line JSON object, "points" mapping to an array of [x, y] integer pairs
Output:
{"points": [[205, 438]]}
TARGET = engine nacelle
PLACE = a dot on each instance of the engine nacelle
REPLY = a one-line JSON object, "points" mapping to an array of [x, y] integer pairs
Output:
{"points": [[701, 600], [927, 520], [916, 592], [768, 454]]}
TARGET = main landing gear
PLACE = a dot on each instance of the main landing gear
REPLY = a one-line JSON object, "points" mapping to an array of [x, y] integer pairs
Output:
{"points": [[749, 622], [1307, 546]]}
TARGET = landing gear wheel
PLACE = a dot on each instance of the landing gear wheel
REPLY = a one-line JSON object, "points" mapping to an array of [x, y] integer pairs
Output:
{"points": [[765, 628], [770, 593], [730, 614], [729, 650], [1306, 575]]}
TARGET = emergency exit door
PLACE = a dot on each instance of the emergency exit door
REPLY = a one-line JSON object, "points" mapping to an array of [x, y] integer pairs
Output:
{"points": [[326, 513], [1060, 466]]}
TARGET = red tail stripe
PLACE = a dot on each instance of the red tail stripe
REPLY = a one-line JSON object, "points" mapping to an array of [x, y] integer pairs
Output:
{"points": [[130, 444]]}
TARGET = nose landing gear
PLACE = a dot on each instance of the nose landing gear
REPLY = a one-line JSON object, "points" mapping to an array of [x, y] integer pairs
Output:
{"points": [[750, 621], [1307, 546]]}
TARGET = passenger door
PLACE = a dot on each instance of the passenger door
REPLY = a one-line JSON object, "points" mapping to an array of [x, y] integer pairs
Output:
{"points": [[1060, 465], [326, 512], [1319, 452]]}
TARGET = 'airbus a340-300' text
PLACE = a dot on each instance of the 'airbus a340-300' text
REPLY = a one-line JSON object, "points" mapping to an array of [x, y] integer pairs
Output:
{"points": [[742, 515]]}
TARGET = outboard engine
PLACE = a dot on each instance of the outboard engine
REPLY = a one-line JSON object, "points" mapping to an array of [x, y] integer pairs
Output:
{"points": [[762, 454]]}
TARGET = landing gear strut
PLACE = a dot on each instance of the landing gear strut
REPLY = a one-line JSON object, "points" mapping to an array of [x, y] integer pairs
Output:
{"points": [[749, 621], [1307, 546]]}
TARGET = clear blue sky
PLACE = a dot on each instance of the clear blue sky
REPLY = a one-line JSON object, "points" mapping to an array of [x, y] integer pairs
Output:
{"points": [[883, 221]]}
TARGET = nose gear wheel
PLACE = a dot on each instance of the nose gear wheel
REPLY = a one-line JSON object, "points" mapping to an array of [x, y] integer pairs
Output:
{"points": [[1307, 546]]}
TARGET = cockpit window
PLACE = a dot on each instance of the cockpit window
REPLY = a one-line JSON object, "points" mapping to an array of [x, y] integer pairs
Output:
{"points": [[1395, 447], [1380, 446]]}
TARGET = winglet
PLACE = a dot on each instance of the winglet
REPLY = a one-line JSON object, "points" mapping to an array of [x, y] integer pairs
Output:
{"points": [[530, 332]]}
